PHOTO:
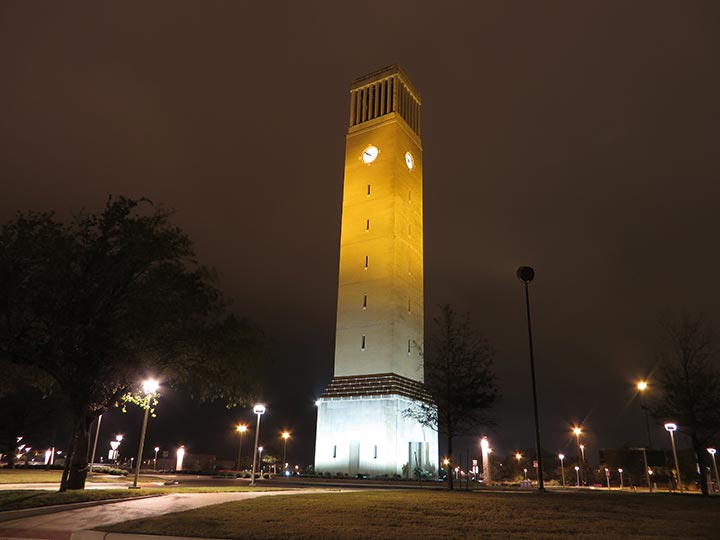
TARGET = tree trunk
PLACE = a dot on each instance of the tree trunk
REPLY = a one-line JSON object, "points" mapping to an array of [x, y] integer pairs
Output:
{"points": [[451, 465], [77, 470], [701, 453]]}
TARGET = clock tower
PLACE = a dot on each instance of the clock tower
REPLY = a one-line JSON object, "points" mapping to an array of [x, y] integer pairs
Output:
{"points": [[362, 424]]}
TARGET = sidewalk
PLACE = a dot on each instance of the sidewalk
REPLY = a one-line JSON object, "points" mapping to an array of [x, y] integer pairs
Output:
{"points": [[62, 525]]}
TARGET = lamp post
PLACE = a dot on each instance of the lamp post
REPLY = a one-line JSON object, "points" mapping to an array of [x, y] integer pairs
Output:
{"points": [[562, 467], [97, 433], [526, 275], [607, 476], [671, 429], [621, 478], [577, 475], [157, 449], [259, 409], [285, 436], [642, 386], [581, 447], [260, 451], [712, 452], [150, 386], [241, 429]]}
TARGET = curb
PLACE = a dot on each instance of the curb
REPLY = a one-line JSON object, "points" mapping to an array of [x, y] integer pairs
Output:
{"points": [[100, 535], [9, 515]]}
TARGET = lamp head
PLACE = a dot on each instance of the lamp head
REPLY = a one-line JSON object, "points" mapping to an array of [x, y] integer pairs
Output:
{"points": [[157, 448], [577, 430], [712, 451], [577, 468], [642, 385], [561, 456], [484, 444], [259, 408], [525, 274], [518, 456], [670, 427], [285, 435], [620, 471], [150, 386], [242, 428]]}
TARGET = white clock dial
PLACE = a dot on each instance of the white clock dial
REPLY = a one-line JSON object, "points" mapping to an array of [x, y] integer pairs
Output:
{"points": [[409, 161], [369, 154]]}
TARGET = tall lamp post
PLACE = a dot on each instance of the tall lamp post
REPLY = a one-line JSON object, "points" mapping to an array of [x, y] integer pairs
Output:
{"points": [[157, 449], [577, 475], [671, 429], [97, 433], [581, 447], [526, 275], [285, 436], [712, 452], [150, 386], [642, 386], [562, 467], [241, 429], [259, 409]]}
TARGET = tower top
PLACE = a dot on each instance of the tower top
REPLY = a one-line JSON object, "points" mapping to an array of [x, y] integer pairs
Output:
{"points": [[384, 92]]}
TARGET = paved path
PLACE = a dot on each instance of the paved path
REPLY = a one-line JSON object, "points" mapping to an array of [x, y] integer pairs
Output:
{"points": [[61, 525]]}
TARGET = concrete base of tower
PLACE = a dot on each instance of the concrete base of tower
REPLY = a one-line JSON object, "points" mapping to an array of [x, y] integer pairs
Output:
{"points": [[371, 435]]}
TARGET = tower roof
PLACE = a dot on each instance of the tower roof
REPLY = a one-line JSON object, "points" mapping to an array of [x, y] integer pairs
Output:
{"points": [[383, 73]]}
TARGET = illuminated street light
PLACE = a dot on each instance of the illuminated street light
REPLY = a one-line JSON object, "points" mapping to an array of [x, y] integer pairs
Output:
{"points": [[114, 445], [621, 478], [241, 429], [285, 435], [157, 449], [526, 274], [150, 386], [562, 467], [642, 386], [577, 430], [607, 476], [671, 429], [712, 452], [259, 409], [518, 456], [180, 457], [577, 475]]}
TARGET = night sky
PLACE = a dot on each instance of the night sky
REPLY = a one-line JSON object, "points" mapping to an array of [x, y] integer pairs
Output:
{"points": [[580, 138]]}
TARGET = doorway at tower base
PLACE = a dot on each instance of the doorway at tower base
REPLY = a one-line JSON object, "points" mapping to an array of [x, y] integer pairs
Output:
{"points": [[372, 436]]}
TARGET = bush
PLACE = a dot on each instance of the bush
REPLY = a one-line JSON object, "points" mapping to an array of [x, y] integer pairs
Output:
{"points": [[110, 470]]}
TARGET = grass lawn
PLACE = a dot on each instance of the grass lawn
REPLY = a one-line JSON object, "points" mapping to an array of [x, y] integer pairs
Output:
{"points": [[441, 514], [35, 476], [33, 498]]}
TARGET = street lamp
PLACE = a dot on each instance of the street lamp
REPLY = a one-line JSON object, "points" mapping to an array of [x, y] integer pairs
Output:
{"points": [[526, 275], [260, 451], [712, 452], [241, 429], [97, 434], [525, 471], [671, 429], [157, 449], [581, 447], [562, 467], [621, 478], [259, 409], [642, 386], [150, 386], [577, 475], [607, 476], [285, 436]]}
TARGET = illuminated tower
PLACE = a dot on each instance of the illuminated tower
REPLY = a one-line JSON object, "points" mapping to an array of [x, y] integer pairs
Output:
{"points": [[378, 375]]}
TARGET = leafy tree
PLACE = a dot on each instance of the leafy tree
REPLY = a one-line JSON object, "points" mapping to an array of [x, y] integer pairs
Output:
{"points": [[110, 298], [689, 381], [459, 377]]}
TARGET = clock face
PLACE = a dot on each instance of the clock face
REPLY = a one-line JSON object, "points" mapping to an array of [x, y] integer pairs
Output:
{"points": [[369, 154], [409, 161]]}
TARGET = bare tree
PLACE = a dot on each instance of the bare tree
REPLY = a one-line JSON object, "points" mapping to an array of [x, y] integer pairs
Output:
{"points": [[689, 380], [459, 377]]}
